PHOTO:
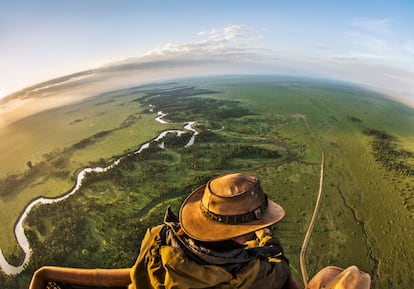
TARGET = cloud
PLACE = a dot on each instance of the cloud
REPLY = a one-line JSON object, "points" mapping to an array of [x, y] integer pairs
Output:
{"points": [[360, 57], [237, 49], [374, 41], [227, 33], [376, 26], [409, 47], [222, 41], [368, 42]]}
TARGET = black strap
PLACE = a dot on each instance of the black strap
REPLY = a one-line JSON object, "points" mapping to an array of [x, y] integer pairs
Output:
{"points": [[256, 214]]}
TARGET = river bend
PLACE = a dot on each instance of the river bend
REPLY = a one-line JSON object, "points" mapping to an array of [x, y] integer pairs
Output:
{"points": [[19, 229]]}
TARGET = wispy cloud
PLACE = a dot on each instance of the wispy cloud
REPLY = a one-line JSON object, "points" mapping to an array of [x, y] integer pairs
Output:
{"points": [[216, 41], [376, 26], [368, 42], [409, 47], [227, 33], [358, 56]]}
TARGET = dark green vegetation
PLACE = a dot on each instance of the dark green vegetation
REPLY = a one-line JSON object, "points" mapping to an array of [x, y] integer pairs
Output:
{"points": [[251, 125], [387, 152]]}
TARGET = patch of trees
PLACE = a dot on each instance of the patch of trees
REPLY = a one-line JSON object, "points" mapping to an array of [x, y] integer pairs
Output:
{"points": [[148, 153], [209, 136], [83, 143], [90, 140], [52, 155], [247, 151], [130, 120], [114, 174], [9, 184], [179, 100], [15, 182], [117, 175], [354, 119], [105, 102], [101, 134], [210, 125], [149, 171], [256, 125], [66, 236], [59, 162], [71, 241], [98, 163], [205, 108], [386, 151], [219, 157], [174, 141], [233, 151], [377, 134], [10, 282], [168, 95], [53, 165]]}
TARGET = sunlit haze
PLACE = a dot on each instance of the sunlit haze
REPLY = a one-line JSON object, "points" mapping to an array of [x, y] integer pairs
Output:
{"points": [[365, 42]]}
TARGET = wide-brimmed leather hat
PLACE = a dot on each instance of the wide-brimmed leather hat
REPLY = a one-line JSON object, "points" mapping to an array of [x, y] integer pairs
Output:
{"points": [[226, 207], [333, 277]]}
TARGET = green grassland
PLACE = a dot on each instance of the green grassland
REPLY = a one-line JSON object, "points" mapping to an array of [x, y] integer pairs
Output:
{"points": [[61, 141], [246, 124], [367, 213]]}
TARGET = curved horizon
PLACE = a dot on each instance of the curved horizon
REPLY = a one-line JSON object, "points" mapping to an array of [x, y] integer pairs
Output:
{"points": [[368, 43]]}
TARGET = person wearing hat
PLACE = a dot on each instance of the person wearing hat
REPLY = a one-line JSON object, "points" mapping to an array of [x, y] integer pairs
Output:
{"points": [[220, 240]]}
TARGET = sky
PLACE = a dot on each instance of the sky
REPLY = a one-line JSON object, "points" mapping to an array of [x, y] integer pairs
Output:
{"points": [[367, 42]]}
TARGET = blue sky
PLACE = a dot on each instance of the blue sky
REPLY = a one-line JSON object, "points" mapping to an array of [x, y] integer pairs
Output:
{"points": [[368, 42]]}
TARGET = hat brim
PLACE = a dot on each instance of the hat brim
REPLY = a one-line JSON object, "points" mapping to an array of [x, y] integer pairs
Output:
{"points": [[201, 228]]}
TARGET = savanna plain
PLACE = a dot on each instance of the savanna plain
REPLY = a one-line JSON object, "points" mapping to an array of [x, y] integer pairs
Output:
{"points": [[249, 124]]}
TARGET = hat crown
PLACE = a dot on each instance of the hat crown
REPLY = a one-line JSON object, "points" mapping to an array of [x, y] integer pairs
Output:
{"points": [[333, 277], [232, 185], [233, 194]]}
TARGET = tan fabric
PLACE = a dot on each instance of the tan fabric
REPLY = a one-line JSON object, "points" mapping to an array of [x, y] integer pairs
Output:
{"points": [[332, 277], [168, 267], [84, 277]]}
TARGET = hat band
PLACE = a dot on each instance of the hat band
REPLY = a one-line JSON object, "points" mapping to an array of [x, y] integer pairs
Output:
{"points": [[256, 214]]}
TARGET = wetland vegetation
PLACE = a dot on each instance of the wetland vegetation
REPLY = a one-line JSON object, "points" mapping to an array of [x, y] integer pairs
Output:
{"points": [[246, 124]]}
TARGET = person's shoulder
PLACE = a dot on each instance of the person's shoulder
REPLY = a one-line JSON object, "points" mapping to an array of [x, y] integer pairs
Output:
{"points": [[156, 228], [153, 233]]}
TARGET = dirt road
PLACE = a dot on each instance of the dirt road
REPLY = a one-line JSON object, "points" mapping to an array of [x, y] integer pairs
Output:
{"points": [[317, 205]]}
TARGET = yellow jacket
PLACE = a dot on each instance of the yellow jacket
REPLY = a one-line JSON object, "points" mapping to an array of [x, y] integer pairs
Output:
{"points": [[167, 264]]}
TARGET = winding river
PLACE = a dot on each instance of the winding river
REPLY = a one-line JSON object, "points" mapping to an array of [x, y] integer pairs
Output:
{"points": [[19, 230]]}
